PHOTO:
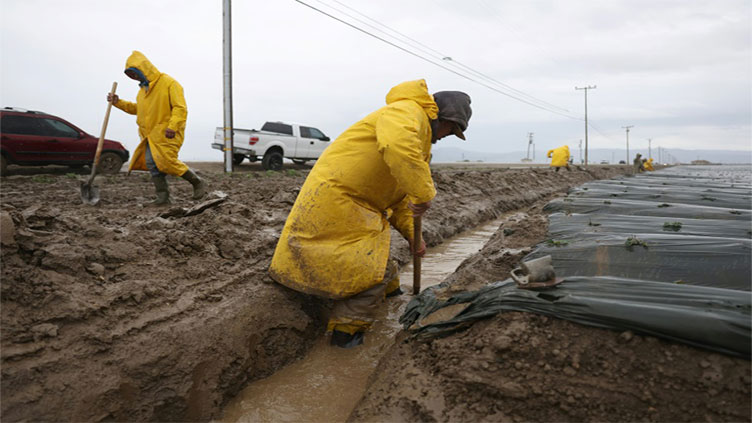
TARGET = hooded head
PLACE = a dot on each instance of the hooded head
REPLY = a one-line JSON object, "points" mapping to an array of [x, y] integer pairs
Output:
{"points": [[416, 91], [454, 106], [140, 68]]}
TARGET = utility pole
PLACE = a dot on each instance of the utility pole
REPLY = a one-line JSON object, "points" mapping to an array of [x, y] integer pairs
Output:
{"points": [[580, 151], [529, 143], [627, 128], [586, 127], [227, 82], [650, 148]]}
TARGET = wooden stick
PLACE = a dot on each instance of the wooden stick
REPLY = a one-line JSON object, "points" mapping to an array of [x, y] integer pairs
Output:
{"points": [[101, 137], [417, 241]]}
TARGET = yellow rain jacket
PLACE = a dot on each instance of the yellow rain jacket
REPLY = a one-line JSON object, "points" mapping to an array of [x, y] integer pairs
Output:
{"points": [[158, 107], [649, 165], [560, 156], [335, 242]]}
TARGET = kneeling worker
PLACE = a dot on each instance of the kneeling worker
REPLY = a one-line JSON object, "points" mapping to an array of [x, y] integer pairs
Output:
{"points": [[160, 114], [335, 243], [560, 157]]}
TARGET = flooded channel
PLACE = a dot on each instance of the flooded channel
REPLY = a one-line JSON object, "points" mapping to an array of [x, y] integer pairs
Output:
{"points": [[326, 384]]}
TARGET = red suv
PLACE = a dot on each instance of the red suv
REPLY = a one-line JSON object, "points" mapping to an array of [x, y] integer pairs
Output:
{"points": [[35, 138]]}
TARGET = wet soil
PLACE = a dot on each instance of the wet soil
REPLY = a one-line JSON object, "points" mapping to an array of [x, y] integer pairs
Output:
{"points": [[123, 312], [527, 367]]}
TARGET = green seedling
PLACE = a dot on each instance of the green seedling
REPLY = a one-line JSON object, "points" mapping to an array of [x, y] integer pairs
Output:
{"points": [[556, 243], [632, 241], [250, 175], [679, 282], [292, 172], [270, 173], [663, 205], [591, 223], [71, 176], [42, 179], [672, 226], [568, 200], [735, 212]]}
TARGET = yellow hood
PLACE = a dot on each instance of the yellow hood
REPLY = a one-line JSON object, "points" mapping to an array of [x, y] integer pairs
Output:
{"points": [[139, 61], [416, 91]]}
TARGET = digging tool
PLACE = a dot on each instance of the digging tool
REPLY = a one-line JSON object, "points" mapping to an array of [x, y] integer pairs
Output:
{"points": [[90, 193], [535, 274], [417, 241]]}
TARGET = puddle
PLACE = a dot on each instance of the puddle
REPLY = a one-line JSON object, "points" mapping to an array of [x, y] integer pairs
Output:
{"points": [[325, 385]]}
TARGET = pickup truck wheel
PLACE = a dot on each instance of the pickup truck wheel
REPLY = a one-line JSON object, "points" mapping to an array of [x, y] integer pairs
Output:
{"points": [[300, 162], [109, 163], [272, 160], [237, 159]]}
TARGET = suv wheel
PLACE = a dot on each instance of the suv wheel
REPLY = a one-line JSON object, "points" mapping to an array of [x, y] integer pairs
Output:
{"points": [[272, 160], [3, 166], [109, 163]]}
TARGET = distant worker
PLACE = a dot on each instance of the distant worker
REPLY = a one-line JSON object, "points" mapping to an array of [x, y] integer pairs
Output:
{"points": [[335, 243], [648, 165], [637, 164], [161, 115], [559, 157]]}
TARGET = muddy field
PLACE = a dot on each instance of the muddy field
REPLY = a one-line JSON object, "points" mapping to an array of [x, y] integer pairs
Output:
{"points": [[120, 312], [528, 367]]}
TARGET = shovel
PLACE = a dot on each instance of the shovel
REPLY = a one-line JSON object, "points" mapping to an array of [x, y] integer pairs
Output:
{"points": [[90, 193], [417, 240]]}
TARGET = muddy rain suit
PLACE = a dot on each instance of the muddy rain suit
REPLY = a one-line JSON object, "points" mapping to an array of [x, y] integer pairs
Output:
{"points": [[159, 105], [559, 156], [335, 242]]}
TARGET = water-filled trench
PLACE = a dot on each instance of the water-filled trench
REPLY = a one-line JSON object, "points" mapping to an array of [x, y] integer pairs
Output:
{"points": [[326, 384]]}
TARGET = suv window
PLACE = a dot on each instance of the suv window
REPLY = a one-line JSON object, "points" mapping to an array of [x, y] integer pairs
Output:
{"points": [[55, 128], [280, 128], [20, 125]]}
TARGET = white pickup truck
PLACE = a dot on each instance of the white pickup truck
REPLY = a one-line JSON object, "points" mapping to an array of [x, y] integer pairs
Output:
{"points": [[275, 141]]}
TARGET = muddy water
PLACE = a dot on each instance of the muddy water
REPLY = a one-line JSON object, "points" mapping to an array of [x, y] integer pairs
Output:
{"points": [[326, 384]]}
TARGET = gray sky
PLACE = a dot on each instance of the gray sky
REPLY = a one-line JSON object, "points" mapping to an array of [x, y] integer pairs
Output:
{"points": [[679, 71]]}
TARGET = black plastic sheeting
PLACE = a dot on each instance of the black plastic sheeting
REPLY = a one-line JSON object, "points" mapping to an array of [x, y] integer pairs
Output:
{"points": [[612, 205], [677, 269], [712, 318], [567, 226]]}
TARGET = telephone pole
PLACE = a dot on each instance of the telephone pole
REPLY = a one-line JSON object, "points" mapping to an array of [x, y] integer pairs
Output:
{"points": [[650, 148], [580, 151], [627, 128], [227, 83], [586, 127], [529, 143]]}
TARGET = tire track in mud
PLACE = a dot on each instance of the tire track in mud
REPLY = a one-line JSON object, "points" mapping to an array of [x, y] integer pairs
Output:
{"points": [[116, 313]]}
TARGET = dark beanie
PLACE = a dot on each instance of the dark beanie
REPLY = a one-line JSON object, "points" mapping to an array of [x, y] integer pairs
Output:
{"points": [[454, 106]]}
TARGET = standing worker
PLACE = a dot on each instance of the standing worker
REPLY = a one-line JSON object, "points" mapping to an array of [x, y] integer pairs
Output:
{"points": [[637, 164], [560, 157], [335, 243], [160, 114]]}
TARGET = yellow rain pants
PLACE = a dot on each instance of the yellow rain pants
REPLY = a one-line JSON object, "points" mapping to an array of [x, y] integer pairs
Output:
{"points": [[649, 165], [560, 156], [335, 243], [158, 107]]}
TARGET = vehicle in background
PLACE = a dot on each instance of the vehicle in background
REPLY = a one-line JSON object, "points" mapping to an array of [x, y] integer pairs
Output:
{"points": [[274, 142], [622, 162], [604, 161], [33, 138]]}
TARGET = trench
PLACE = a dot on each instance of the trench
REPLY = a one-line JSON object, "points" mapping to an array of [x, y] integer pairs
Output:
{"points": [[327, 383]]}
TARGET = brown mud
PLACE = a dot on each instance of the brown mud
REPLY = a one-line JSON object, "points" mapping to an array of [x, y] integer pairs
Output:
{"points": [[526, 367], [121, 312]]}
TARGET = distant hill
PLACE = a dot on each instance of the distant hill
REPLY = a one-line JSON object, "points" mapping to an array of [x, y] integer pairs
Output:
{"points": [[453, 154]]}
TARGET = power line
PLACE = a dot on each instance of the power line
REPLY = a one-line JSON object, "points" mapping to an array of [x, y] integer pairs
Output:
{"points": [[432, 62]]}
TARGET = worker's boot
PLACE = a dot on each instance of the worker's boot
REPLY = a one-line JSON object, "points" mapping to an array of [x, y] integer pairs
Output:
{"points": [[346, 340], [163, 191], [199, 186]]}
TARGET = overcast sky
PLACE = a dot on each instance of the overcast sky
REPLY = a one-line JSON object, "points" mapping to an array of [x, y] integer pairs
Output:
{"points": [[679, 71]]}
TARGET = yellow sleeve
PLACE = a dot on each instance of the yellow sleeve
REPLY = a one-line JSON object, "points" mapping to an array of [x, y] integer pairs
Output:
{"points": [[400, 145], [179, 112], [550, 153], [402, 219], [126, 106]]}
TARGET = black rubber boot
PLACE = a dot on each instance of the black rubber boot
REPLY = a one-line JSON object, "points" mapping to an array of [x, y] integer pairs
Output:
{"points": [[345, 340], [199, 186], [395, 293], [163, 192]]}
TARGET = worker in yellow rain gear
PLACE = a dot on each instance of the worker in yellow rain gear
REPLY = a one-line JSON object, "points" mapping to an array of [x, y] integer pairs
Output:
{"points": [[161, 114], [559, 157], [335, 243], [648, 165]]}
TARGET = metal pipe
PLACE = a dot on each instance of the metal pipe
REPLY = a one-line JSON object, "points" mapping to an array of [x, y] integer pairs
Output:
{"points": [[227, 82]]}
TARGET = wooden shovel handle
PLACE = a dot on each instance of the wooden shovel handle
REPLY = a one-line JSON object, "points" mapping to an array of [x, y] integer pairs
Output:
{"points": [[417, 241], [101, 135]]}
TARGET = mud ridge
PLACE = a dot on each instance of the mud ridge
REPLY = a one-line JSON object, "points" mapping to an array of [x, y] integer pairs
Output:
{"points": [[121, 312]]}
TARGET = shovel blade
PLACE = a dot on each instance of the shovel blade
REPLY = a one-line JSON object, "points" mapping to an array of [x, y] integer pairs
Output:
{"points": [[89, 194]]}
